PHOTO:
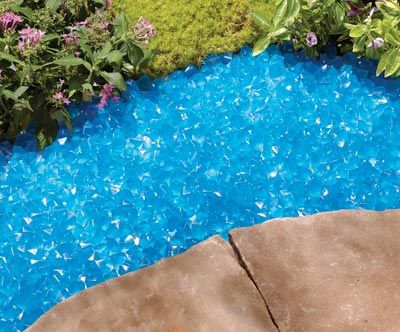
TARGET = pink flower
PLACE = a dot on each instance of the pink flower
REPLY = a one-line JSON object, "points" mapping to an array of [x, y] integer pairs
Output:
{"points": [[60, 98], [105, 95], [311, 39], [377, 43], [71, 39], [77, 54], [144, 30], [104, 25], [30, 37], [9, 22]]}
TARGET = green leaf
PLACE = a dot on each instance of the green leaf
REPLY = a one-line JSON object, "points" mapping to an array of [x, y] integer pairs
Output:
{"points": [[359, 44], [121, 25], [278, 32], [261, 45], [261, 19], [10, 58], [53, 5], [115, 57], [87, 50], [88, 86], [148, 56], [382, 63], [105, 51], [88, 92], [292, 10], [393, 63], [286, 11], [358, 31], [115, 79], [280, 11], [392, 36], [46, 133], [388, 8], [24, 103], [8, 94], [16, 8], [16, 94], [20, 91], [69, 61], [338, 14], [135, 54]]}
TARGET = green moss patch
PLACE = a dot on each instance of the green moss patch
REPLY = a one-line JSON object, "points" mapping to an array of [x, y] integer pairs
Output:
{"points": [[189, 30]]}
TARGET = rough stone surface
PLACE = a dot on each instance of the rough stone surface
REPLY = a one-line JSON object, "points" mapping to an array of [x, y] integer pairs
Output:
{"points": [[327, 272], [202, 290]]}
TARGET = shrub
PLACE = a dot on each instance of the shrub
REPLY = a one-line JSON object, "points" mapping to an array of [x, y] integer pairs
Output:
{"points": [[189, 30], [54, 52], [368, 28]]}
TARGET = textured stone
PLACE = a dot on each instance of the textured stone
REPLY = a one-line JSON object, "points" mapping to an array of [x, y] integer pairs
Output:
{"points": [[328, 272], [202, 290]]}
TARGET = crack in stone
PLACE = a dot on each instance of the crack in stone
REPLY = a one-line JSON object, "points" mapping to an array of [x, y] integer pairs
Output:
{"points": [[244, 266]]}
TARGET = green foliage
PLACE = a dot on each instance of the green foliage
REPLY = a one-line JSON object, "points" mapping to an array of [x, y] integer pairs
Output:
{"points": [[351, 25], [381, 27], [294, 20], [189, 30], [59, 52]]}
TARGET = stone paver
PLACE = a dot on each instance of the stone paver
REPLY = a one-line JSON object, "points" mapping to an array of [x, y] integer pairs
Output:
{"points": [[202, 290], [328, 272]]}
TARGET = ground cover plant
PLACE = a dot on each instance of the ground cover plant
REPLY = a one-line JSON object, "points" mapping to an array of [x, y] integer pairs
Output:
{"points": [[54, 52], [190, 30], [368, 28]]}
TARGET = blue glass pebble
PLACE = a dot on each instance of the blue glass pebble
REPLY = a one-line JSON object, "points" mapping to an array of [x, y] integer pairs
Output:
{"points": [[184, 157]]}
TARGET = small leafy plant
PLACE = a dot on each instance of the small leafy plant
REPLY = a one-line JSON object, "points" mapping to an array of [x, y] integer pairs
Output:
{"points": [[368, 28], [54, 52], [378, 37]]}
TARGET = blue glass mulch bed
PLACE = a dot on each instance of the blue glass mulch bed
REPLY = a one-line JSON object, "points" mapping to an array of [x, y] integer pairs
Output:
{"points": [[179, 159]]}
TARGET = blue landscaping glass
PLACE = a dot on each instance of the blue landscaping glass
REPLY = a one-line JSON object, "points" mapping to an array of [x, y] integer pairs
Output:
{"points": [[179, 159]]}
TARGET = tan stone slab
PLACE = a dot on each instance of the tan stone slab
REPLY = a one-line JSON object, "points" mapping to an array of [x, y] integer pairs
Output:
{"points": [[328, 272], [202, 290]]}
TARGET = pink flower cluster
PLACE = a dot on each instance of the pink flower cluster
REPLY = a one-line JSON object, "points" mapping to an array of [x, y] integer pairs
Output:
{"points": [[30, 37], [144, 30], [60, 97], [87, 24], [105, 95], [71, 39], [9, 22]]}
